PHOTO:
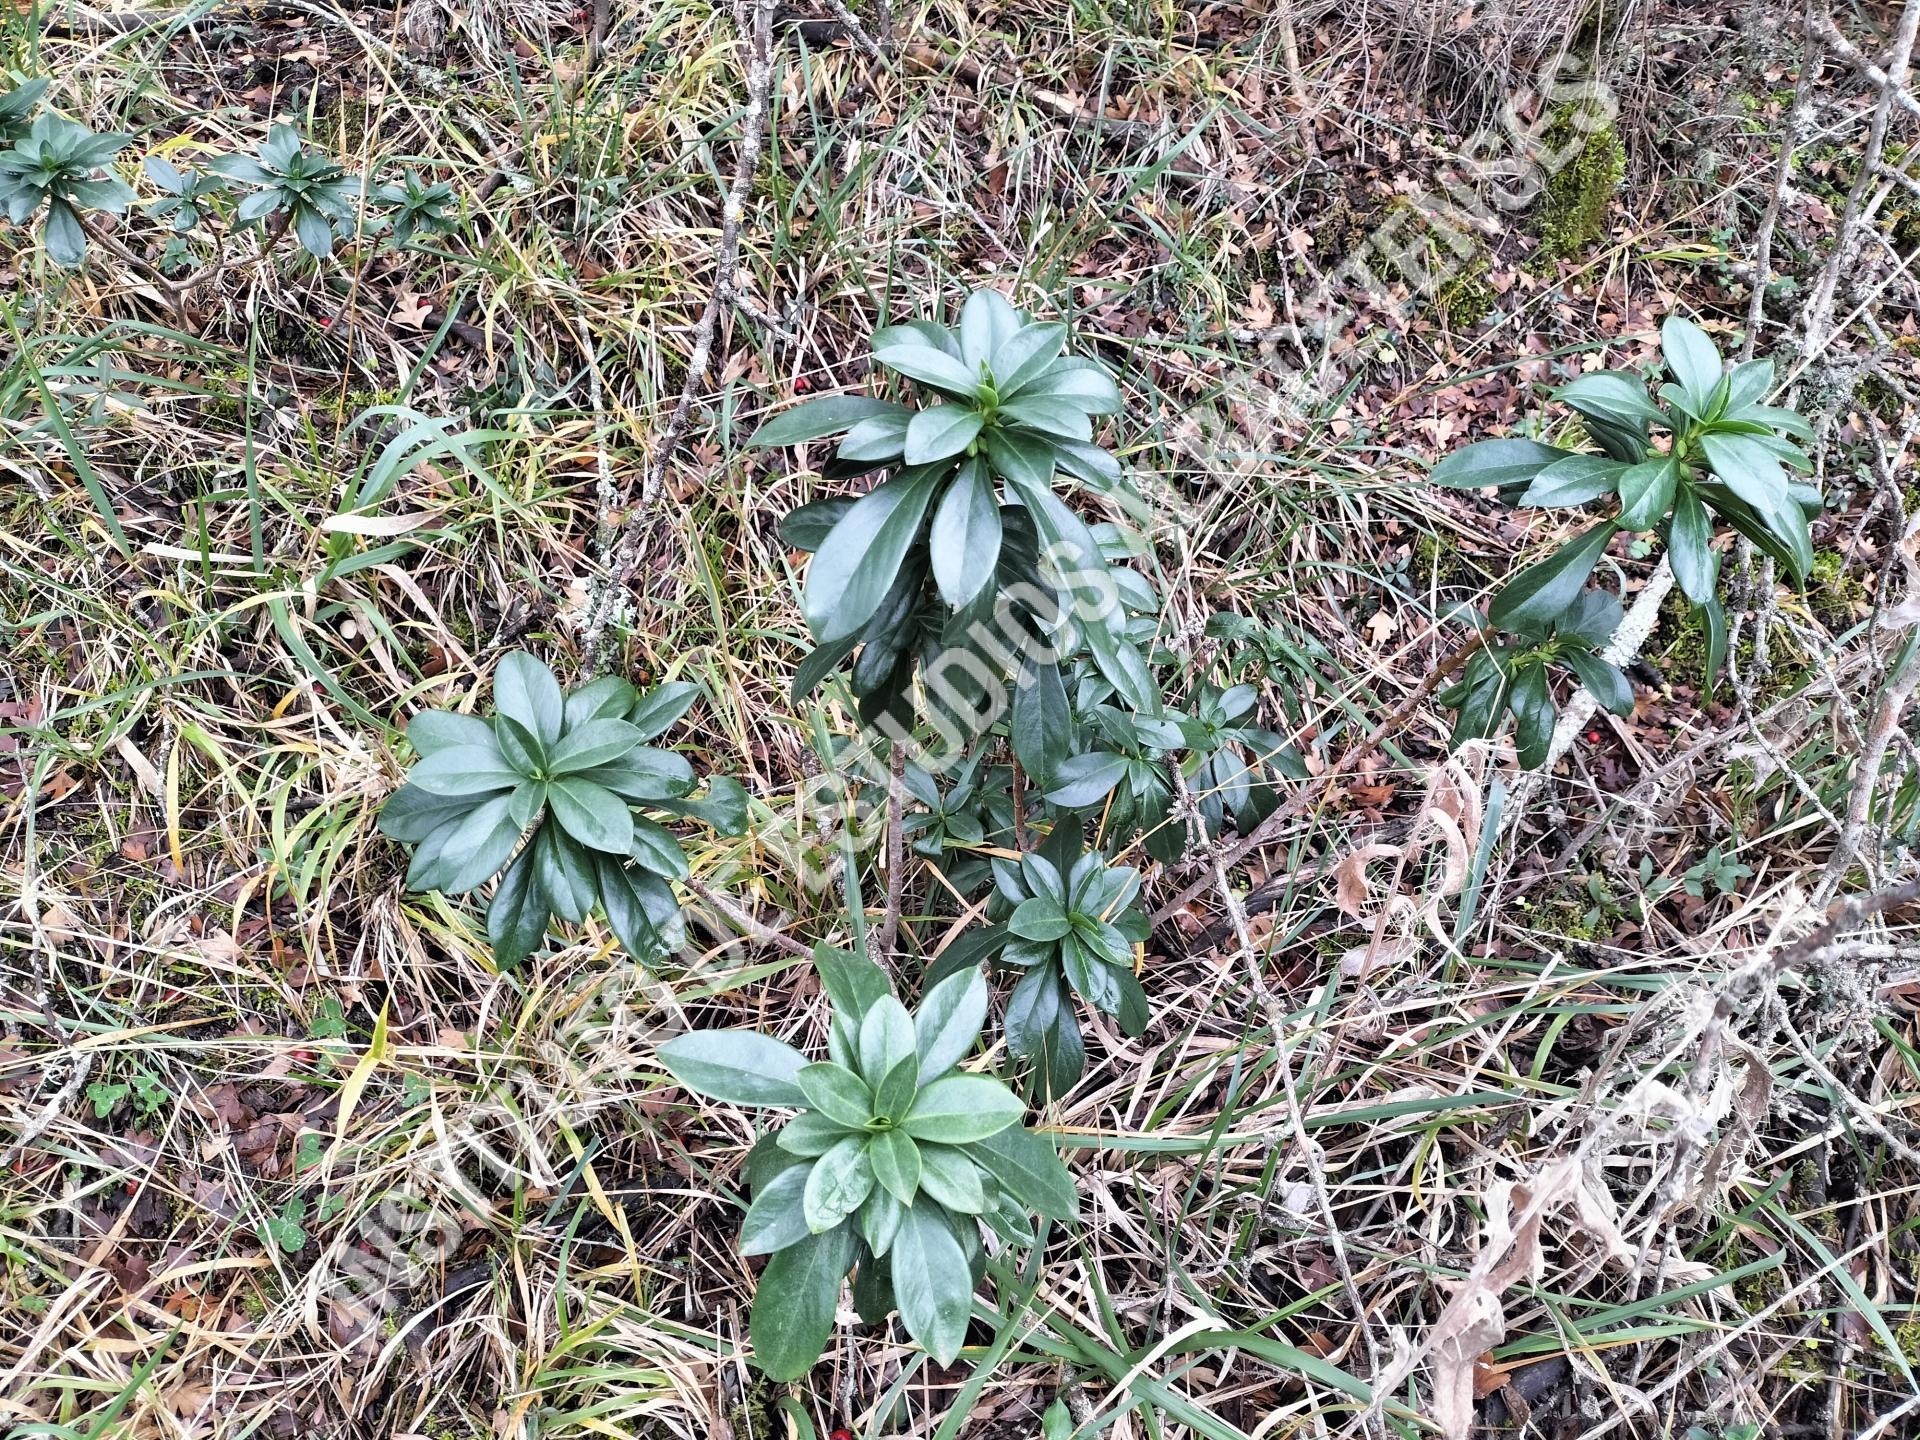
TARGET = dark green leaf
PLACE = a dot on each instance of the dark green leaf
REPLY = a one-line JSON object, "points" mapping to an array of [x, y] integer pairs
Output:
{"points": [[1692, 359], [411, 814], [1024, 355], [948, 1022], [741, 1067], [856, 566], [1533, 714], [1689, 549], [896, 1164], [517, 916], [940, 431], [1574, 481], [964, 541], [464, 770], [962, 1108], [1040, 724], [1495, 462], [836, 1092], [525, 689], [1610, 396], [839, 1182], [1028, 1168], [813, 419], [906, 351], [596, 742], [854, 983], [1082, 780], [1530, 602], [1608, 685], [434, 730], [777, 1218], [886, 1038], [931, 1281], [949, 1177], [594, 816], [566, 873], [654, 712], [1646, 492], [794, 1306]]}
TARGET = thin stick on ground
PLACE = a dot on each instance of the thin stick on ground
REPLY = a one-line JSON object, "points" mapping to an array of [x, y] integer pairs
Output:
{"points": [[896, 853], [625, 558]]}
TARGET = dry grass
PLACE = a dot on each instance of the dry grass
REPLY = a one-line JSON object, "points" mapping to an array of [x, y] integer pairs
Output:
{"points": [[196, 733]]}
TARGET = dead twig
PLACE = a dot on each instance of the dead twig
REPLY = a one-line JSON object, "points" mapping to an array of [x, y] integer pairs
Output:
{"points": [[625, 558]]}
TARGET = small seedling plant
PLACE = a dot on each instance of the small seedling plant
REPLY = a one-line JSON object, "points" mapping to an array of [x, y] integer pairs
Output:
{"points": [[891, 1166], [1705, 448], [561, 790], [60, 166]]}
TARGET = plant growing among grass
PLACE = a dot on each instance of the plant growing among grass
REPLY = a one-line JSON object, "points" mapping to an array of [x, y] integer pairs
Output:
{"points": [[1727, 457], [965, 513], [567, 773], [893, 1163], [186, 196], [54, 167], [17, 106], [318, 198], [419, 208]]}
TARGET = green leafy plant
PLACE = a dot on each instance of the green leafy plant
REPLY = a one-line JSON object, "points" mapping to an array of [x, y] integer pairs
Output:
{"points": [[893, 1163], [186, 196], [1728, 456], [1514, 677], [1067, 921], [965, 512], [418, 207], [318, 198], [566, 773], [17, 105], [54, 167]]}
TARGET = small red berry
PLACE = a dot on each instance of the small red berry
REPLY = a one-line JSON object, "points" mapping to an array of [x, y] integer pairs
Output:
{"points": [[841, 1433], [1593, 737], [800, 387]]}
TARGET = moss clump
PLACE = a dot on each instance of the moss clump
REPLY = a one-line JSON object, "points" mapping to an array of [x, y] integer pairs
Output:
{"points": [[752, 1416], [1835, 594], [1466, 299], [1442, 566], [1573, 212]]}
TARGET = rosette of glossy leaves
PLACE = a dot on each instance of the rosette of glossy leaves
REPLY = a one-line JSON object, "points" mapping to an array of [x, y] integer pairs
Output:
{"points": [[965, 514], [1515, 678], [552, 789], [55, 166], [1066, 918], [894, 1162], [319, 198], [1705, 447]]}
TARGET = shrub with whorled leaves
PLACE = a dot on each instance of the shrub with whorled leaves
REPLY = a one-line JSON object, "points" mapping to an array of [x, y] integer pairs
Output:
{"points": [[419, 207], [1728, 456], [186, 196], [566, 774], [893, 1163], [55, 166], [965, 513]]}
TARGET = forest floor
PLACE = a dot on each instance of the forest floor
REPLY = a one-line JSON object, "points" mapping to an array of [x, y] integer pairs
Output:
{"points": [[230, 1035]]}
